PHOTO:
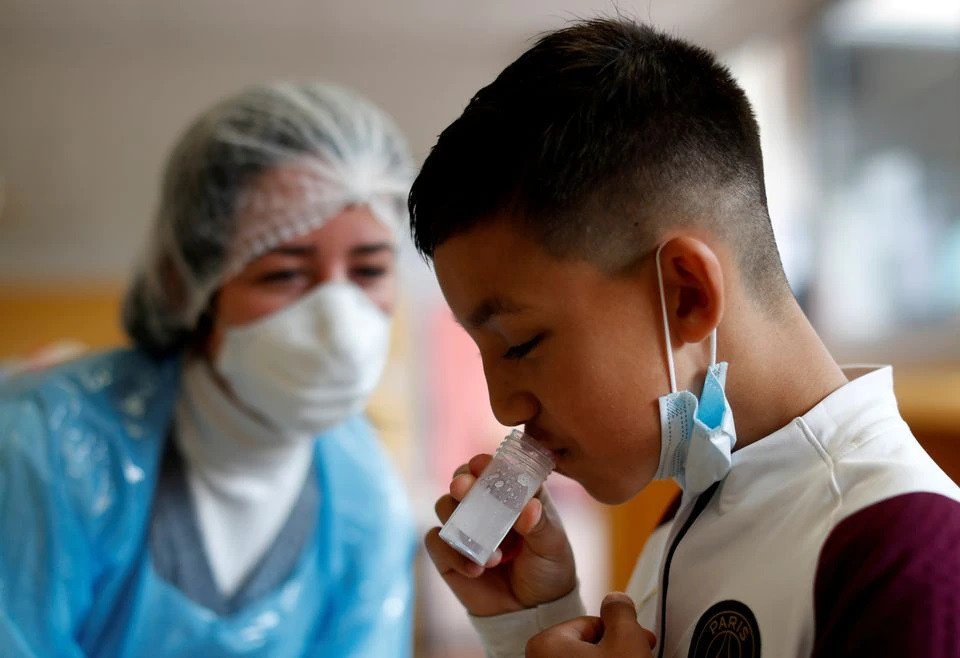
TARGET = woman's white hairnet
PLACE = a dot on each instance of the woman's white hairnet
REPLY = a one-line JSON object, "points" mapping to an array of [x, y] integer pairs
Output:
{"points": [[345, 150]]}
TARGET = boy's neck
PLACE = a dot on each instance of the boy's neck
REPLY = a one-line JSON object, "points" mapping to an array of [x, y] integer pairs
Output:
{"points": [[779, 370]]}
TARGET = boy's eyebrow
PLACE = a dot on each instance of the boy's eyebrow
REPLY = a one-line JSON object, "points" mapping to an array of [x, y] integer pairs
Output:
{"points": [[489, 308]]}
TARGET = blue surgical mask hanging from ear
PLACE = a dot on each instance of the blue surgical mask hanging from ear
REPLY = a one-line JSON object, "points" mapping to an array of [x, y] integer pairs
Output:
{"points": [[696, 436]]}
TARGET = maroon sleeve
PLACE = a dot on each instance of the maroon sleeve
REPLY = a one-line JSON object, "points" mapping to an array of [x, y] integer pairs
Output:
{"points": [[888, 581]]}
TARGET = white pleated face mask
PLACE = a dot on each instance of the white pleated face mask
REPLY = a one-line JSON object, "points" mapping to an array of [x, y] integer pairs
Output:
{"points": [[311, 365]]}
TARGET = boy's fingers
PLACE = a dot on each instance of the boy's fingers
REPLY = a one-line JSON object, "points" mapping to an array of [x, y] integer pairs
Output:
{"points": [[619, 615], [495, 559], [557, 640], [510, 546], [478, 463], [585, 629], [530, 516], [446, 559], [651, 638], [475, 466], [539, 525], [466, 474], [460, 485], [444, 507]]}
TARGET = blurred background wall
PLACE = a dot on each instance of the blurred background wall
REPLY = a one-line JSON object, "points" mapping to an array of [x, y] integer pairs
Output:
{"points": [[93, 93], [858, 103]]}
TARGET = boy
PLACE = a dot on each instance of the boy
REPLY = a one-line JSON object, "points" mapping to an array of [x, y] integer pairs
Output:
{"points": [[598, 223]]}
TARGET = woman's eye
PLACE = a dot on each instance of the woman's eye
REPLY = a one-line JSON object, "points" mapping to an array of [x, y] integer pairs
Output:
{"points": [[521, 350], [369, 272], [282, 276]]}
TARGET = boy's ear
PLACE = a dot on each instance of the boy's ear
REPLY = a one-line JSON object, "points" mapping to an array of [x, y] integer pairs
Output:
{"points": [[693, 288]]}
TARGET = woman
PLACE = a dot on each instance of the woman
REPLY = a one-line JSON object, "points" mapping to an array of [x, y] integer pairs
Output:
{"points": [[215, 491]]}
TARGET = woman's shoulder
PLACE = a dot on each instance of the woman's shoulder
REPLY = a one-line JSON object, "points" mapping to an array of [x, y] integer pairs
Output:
{"points": [[75, 426], [92, 374], [122, 386]]}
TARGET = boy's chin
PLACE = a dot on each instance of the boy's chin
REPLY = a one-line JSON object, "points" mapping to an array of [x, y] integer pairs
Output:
{"points": [[609, 492], [612, 491]]}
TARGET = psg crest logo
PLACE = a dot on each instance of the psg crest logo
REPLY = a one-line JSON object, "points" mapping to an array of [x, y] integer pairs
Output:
{"points": [[727, 630]]}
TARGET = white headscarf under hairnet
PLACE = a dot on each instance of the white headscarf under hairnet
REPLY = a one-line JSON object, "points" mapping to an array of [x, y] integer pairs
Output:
{"points": [[343, 150]]}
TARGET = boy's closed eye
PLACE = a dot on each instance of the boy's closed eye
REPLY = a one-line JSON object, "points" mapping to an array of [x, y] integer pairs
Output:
{"points": [[521, 350]]}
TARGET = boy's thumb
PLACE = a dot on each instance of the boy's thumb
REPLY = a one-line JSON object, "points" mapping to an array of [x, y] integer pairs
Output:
{"points": [[544, 533], [617, 608], [619, 615]]}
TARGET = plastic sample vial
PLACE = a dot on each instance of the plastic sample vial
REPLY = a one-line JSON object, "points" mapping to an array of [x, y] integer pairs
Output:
{"points": [[488, 511]]}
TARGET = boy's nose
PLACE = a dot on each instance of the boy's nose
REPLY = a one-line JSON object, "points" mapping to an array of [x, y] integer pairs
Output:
{"points": [[511, 400], [514, 407]]}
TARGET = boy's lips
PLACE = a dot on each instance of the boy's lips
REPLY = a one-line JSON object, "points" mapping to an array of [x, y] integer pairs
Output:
{"points": [[548, 441], [559, 456]]}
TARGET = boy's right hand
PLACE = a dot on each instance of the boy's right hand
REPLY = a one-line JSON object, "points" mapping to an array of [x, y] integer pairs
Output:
{"points": [[541, 571]]}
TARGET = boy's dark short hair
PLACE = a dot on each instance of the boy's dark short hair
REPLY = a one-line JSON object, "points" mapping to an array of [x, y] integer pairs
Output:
{"points": [[595, 139]]}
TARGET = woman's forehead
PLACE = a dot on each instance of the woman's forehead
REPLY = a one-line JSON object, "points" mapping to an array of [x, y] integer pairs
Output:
{"points": [[295, 203], [352, 230]]}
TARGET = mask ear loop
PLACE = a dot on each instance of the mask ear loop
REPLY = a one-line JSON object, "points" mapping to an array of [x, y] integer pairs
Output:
{"points": [[666, 330], [713, 347], [666, 325]]}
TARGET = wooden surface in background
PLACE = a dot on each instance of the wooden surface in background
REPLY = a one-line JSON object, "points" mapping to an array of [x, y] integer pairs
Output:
{"points": [[35, 315], [929, 398], [630, 525]]}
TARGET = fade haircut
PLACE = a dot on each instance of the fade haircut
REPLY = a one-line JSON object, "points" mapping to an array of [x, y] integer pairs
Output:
{"points": [[597, 139]]}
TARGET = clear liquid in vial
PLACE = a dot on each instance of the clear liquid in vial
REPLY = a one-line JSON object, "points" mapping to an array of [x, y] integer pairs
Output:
{"points": [[482, 520]]}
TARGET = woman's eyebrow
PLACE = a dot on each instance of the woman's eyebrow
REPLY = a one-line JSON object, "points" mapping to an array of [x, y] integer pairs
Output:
{"points": [[294, 250], [372, 248]]}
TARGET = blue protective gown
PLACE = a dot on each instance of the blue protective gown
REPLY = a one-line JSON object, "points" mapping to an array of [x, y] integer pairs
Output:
{"points": [[80, 451]]}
